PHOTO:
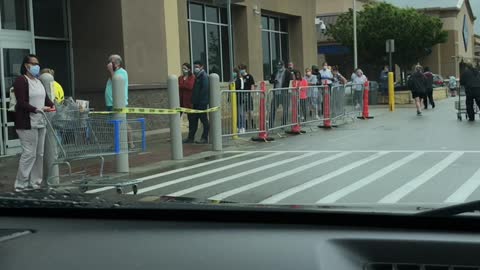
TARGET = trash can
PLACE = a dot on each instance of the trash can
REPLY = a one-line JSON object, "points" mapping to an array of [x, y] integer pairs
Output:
{"points": [[373, 94]]}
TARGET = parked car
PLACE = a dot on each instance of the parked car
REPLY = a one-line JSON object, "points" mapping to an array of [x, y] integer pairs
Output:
{"points": [[438, 81]]}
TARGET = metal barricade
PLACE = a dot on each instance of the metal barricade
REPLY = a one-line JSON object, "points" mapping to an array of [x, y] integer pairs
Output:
{"points": [[311, 108], [337, 102], [282, 104], [241, 112], [354, 99]]}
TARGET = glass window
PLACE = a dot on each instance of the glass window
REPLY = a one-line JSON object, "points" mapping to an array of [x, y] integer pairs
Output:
{"points": [[198, 50], [214, 57], [14, 14], [264, 22], [55, 54], [267, 66], [227, 66], [223, 16], [285, 48], [275, 43], [212, 14], [50, 18], [196, 12]]}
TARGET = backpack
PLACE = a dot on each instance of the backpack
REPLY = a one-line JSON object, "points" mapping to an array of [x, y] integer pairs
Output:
{"points": [[13, 100]]}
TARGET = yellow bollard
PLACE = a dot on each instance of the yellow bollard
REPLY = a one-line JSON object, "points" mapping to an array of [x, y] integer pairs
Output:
{"points": [[391, 92], [234, 111]]}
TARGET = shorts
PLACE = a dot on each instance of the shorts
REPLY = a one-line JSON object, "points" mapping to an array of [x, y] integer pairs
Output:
{"points": [[418, 94]]}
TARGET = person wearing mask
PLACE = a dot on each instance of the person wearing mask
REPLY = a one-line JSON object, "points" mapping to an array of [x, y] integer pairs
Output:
{"points": [[280, 80], [338, 79], [301, 85], [429, 93], [291, 68], [418, 85], [58, 92], [383, 80], [114, 67], [358, 81], [200, 101], [326, 75], [313, 95], [186, 81], [470, 79], [245, 82], [30, 124]]}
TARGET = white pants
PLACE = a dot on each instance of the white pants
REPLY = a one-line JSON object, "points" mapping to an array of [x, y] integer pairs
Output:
{"points": [[30, 167]]}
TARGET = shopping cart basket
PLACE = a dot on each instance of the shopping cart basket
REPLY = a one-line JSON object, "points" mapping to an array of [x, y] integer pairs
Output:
{"points": [[460, 104]]}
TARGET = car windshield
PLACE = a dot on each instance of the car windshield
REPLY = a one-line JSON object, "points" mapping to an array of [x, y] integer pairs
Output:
{"points": [[346, 104]]}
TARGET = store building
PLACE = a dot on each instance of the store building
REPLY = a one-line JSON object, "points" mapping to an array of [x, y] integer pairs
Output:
{"points": [[155, 37]]}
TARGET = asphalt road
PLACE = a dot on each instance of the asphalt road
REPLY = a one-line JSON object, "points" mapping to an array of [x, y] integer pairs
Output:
{"points": [[397, 157]]}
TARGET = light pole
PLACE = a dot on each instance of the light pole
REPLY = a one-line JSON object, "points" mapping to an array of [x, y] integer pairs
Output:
{"points": [[355, 50]]}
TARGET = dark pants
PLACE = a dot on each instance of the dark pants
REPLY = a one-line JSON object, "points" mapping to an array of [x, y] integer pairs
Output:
{"points": [[276, 102], [471, 97], [193, 122], [303, 108], [429, 98]]}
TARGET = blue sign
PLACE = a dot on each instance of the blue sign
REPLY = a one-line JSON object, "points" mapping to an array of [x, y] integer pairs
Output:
{"points": [[333, 50]]}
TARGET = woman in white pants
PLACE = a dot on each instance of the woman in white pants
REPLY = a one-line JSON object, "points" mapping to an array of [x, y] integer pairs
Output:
{"points": [[30, 124]]}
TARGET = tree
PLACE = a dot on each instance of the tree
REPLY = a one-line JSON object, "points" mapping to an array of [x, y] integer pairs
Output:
{"points": [[414, 33]]}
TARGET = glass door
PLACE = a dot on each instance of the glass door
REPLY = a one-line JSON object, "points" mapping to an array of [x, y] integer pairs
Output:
{"points": [[11, 57]]}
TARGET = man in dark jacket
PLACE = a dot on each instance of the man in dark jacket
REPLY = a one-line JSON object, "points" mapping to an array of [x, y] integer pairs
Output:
{"points": [[470, 79], [280, 79], [418, 85], [383, 80], [429, 94], [200, 101]]}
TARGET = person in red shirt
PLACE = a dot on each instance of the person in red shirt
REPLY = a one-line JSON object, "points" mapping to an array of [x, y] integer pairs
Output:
{"points": [[302, 86], [186, 81]]}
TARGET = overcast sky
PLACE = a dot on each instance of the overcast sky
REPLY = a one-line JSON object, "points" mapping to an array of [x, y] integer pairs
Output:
{"points": [[476, 10]]}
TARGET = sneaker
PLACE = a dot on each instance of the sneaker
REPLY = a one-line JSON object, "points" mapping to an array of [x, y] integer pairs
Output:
{"points": [[242, 131], [202, 141], [188, 140], [317, 117], [419, 113]]}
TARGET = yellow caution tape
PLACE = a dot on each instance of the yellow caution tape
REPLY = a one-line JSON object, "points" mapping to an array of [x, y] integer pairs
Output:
{"points": [[157, 111]]}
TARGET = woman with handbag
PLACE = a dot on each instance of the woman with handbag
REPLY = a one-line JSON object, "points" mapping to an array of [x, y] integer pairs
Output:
{"points": [[30, 124]]}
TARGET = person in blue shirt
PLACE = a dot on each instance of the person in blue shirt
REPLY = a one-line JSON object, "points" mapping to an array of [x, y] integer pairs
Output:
{"points": [[114, 67]]}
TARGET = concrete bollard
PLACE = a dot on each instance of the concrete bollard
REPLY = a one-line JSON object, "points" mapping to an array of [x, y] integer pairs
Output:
{"points": [[50, 153], [175, 120], [118, 89], [215, 117]]}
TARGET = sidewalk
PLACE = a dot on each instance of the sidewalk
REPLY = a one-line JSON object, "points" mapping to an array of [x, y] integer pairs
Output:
{"points": [[158, 152]]}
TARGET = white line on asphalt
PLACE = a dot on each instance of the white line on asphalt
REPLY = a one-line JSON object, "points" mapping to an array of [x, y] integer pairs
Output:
{"points": [[333, 197], [407, 188], [203, 164], [236, 176], [360, 151], [289, 192], [276, 177], [205, 173], [467, 189]]}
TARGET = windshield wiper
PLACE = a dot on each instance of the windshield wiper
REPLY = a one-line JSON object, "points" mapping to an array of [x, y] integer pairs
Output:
{"points": [[453, 210]]}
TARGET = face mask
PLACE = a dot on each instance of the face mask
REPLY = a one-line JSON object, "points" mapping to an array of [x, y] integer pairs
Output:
{"points": [[280, 68], [185, 71], [243, 72], [35, 70], [325, 67], [234, 75], [309, 74], [197, 70]]}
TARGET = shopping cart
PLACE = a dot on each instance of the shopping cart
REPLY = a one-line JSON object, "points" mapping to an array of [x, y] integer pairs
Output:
{"points": [[460, 104], [77, 136]]}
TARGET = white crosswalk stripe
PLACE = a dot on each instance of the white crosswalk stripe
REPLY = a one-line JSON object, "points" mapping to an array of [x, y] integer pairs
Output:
{"points": [[404, 190], [290, 192], [271, 177], [190, 177], [240, 175], [333, 197]]}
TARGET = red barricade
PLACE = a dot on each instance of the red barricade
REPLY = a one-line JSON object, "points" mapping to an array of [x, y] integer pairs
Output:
{"points": [[296, 129], [263, 135], [327, 123], [365, 112]]}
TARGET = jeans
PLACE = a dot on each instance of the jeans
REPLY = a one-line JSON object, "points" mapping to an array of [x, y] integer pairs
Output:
{"points": [[429, 98], [276, 102]]}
